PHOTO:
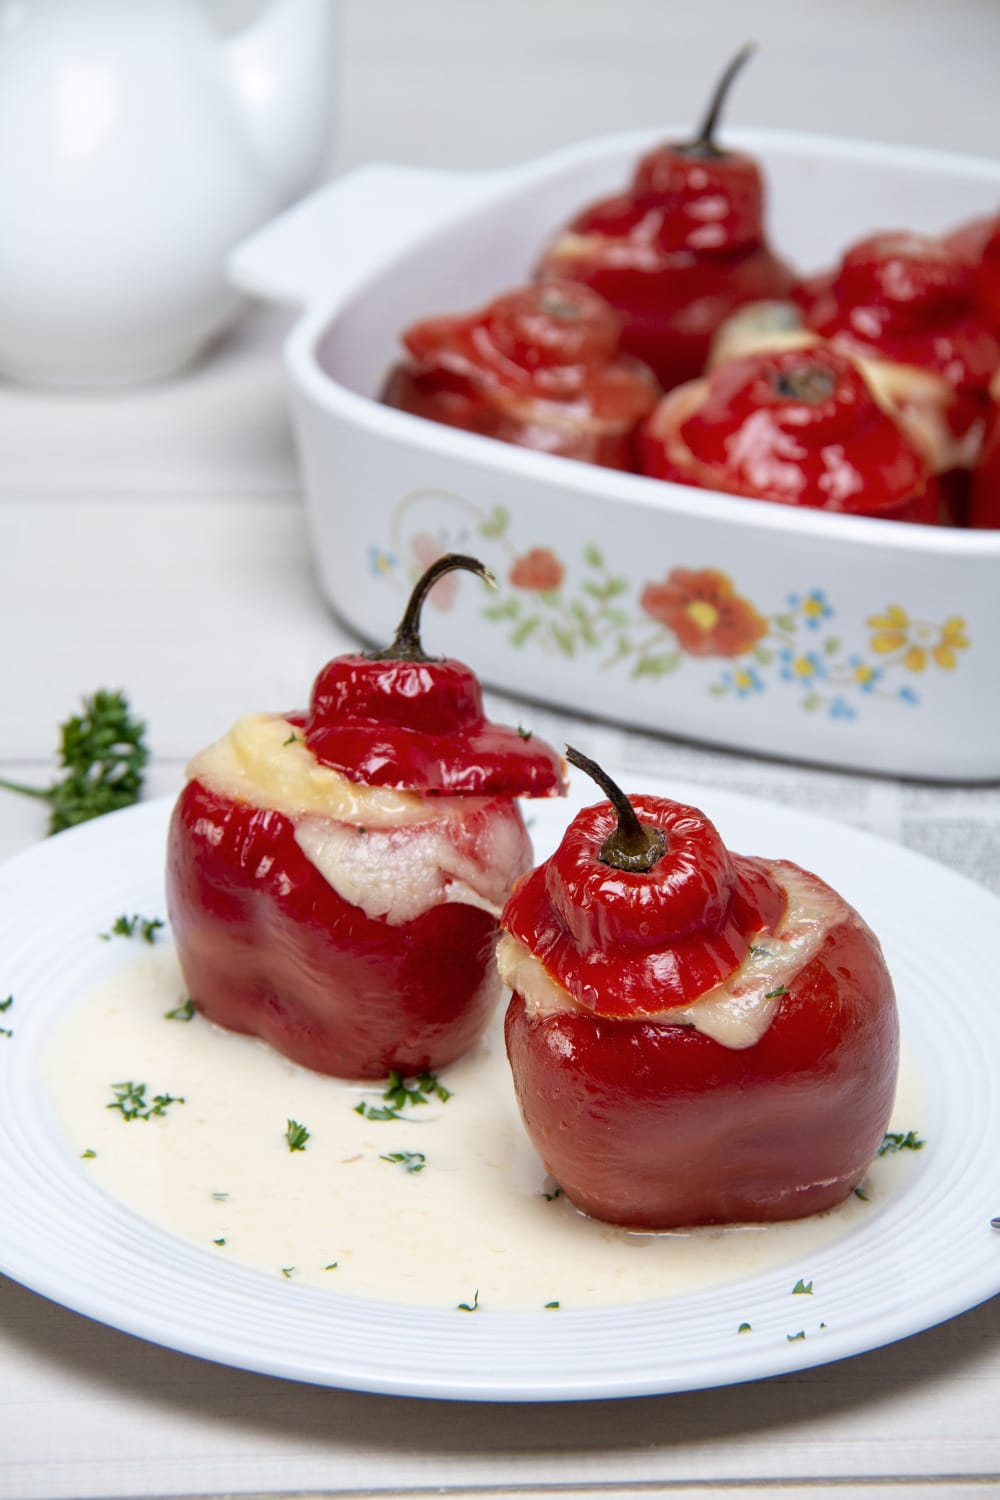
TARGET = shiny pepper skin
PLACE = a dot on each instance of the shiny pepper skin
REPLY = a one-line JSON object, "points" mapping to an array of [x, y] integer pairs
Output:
{"points": [[674, 254], [655, 1125], [911, 299], [268, 947], [402, 978], [539, 367], [796, 426]]}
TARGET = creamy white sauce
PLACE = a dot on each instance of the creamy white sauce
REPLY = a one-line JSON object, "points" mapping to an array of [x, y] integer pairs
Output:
{"points": [[337, 1215]]}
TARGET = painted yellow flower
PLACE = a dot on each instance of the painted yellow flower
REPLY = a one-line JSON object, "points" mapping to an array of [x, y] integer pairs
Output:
{"points": [[920, 641]]}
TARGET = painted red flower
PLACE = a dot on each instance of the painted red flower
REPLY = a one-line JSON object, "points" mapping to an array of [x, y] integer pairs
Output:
{"points": [[538, 569], [705, 614]]}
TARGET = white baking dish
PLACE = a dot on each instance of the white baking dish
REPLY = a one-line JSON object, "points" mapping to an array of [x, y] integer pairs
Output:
{"points": [[883, 639]]}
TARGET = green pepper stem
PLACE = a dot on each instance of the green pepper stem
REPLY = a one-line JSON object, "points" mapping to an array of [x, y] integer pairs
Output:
{"points": [[632, 846], [703, 144], [406, 645]]}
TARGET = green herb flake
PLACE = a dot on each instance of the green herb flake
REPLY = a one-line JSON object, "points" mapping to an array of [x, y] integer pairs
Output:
{"points": [[6, 1031], [410, 1161], [526, 734], [103, 753], [744, 1328], [774, 994], [134, 926], [802, 1288], [218, 1242], [469, 1306], [551, 1304], [332, 1265], [131, 1102], [401, 1092], [551, 1197], [219, 1197], [292, 739], [185, 1012], [87, 1155], [296, 1135], [6, 1004], [859, 1192], [895, 1141], [759, 951], [288, 1272], [793, 1338]]}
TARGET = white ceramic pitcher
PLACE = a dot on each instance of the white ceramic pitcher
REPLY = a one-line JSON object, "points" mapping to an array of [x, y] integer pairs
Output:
{"points": [[137, 145]]}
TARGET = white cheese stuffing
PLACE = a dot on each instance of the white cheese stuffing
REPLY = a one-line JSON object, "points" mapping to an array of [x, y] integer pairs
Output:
{"points": [[736, 1013]]}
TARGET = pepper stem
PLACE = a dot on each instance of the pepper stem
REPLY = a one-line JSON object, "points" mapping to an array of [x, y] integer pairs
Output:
{"points": [[703, 144], [633, 846], [406, 645]]}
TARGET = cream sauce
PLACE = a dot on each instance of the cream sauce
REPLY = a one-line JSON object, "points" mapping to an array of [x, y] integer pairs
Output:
{"points": [[337, 1214]]}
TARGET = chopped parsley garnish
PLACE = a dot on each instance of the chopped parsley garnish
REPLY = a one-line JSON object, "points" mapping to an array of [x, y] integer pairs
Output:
{"points": [[401, 1092], [292, 739], [296, 1135], [410, 1161], [469, 1306], [185, 1012], [802, 1288], [218, 1242], [744, 1328], [131, 1102], [6, 1005], [332, 1265], [135, 926], [859, 1192], [759, 951], [896, 1141], [87, 1155], [793, 1338], [525, 734], [773, 994], [287, 1271], [219, 1197], [550, 1304], [103, 754], [550, 1197]]}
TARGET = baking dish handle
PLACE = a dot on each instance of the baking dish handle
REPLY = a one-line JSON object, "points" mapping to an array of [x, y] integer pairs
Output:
{"points": [[324, 244]]}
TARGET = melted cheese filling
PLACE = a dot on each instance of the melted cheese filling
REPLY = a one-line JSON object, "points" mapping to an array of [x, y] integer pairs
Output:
{"points": [[391, 853], [736, 1013]]}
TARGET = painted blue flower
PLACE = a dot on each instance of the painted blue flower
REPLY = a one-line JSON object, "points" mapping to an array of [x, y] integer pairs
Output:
{"points": [[815, 607], [805, 667], [743, 681], [908, 695], [865, 675], [380, 563], [841, 709]]}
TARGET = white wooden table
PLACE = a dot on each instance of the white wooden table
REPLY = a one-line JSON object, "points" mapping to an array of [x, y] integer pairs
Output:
{"points": [[153, 539]]}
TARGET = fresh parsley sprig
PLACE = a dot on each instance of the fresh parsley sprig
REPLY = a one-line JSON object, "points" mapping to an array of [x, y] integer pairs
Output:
{"points": [[103, 753], [134, 926]]}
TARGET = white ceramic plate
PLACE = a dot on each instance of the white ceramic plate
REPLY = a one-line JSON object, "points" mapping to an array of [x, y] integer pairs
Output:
{"points": [[925, 1254]]}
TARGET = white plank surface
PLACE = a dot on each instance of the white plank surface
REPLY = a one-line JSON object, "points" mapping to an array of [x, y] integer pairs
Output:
{"points": [[154, 540]]}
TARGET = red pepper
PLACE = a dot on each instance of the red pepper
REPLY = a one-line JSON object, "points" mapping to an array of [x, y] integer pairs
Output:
{"points": [[910, 299], [984, 512], [977, 244], [538, 367], [643, 1117], [268, 945], [675, 252], [797, 426]]}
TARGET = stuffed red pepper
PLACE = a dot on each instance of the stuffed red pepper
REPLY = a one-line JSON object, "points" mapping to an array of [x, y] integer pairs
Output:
{"points": [[675, 252], [798, 426], [335, 876], [696, 1037], [539, 367]]}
